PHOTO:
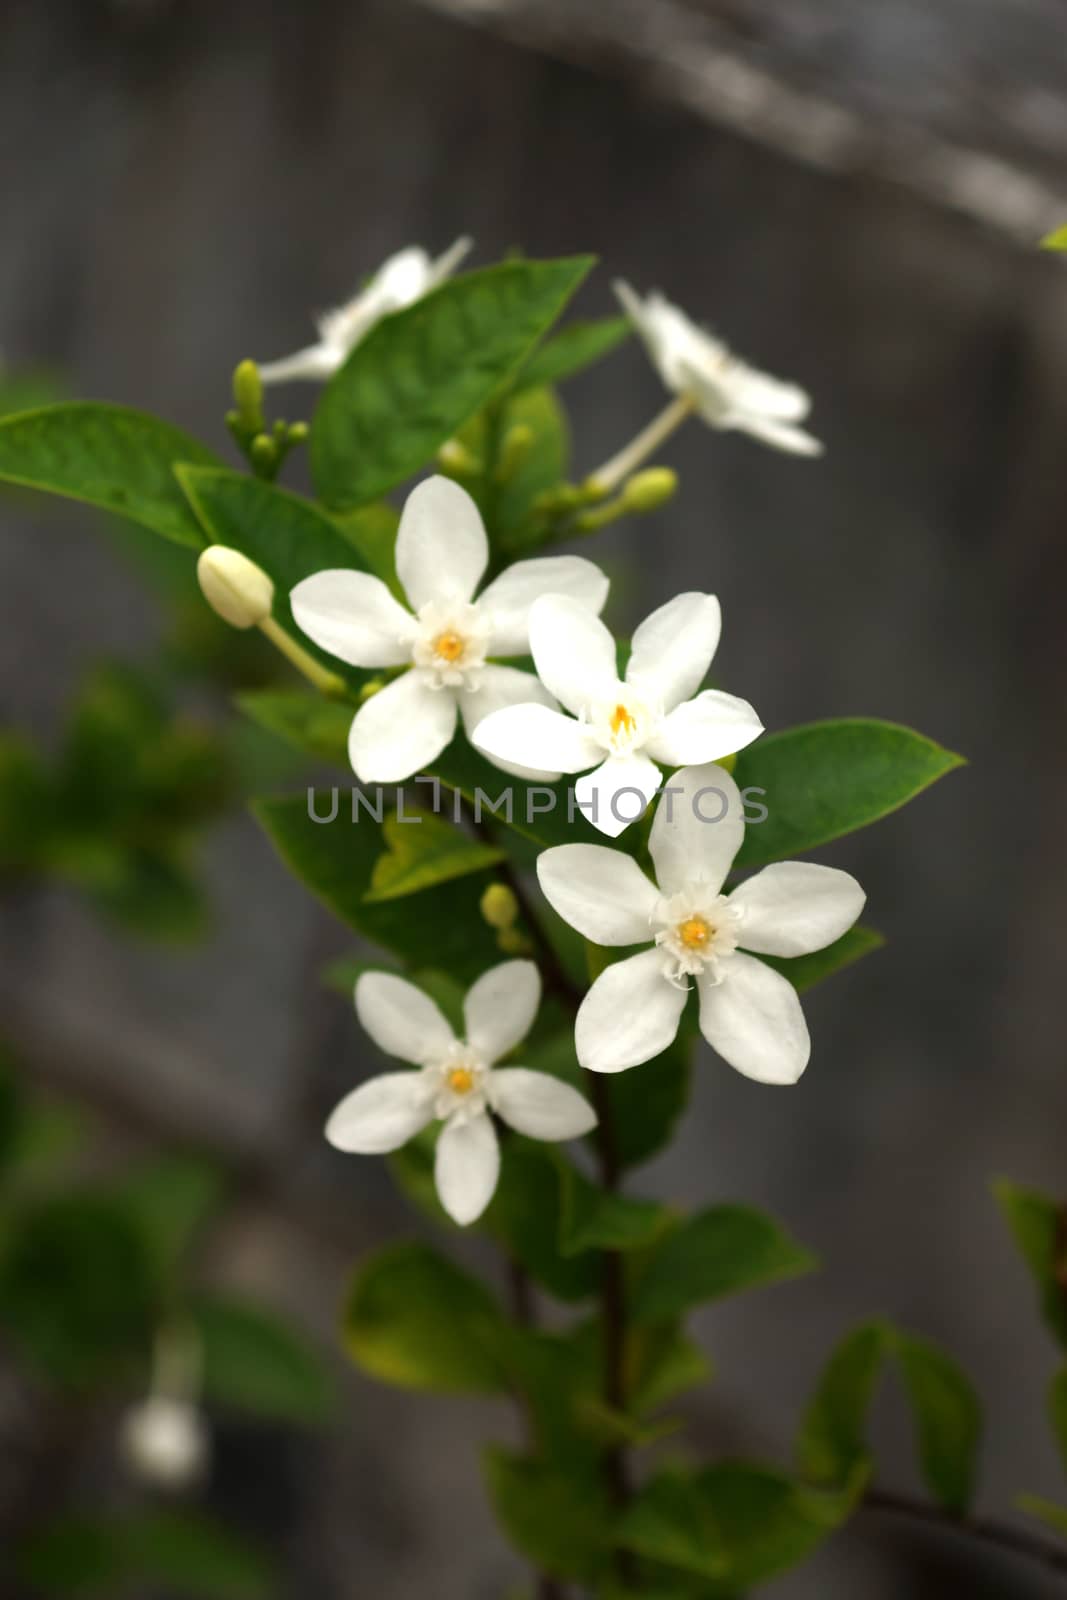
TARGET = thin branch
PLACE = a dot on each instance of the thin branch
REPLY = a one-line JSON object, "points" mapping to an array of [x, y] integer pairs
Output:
{"points": [[983, 1530]]}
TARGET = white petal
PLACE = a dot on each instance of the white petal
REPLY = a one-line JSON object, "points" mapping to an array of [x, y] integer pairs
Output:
{"points": [[441, 548], [499, 687], [449, 260], [467, 1167], [534, 736], [400, 730], [618, 792], [401, 1019], [779, 434], [629, 1015], [602, 893], [698, 828], [795, 907], [753, 1019], [540, 1106], [354, 617], [573, 652], [500, 1008], [507, 600], [316, 361], [705, 729], [673, 648], [381, 1114], [758, 393]]}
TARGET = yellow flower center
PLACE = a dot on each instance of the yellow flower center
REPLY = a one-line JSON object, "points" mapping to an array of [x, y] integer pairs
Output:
{"points": [[622, 721], [449, 646], [461, 1080], [694, 933]]}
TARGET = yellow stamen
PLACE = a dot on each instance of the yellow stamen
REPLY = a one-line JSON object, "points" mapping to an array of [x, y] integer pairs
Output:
{"points": [[461, 1080], [449, 646], [694, 933], [622, 721]]}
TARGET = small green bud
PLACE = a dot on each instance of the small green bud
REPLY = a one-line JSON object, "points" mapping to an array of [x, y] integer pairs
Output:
{"points": [[454, 456], [235, 588], [370, 689], [727, 763], [515, 447], [648, 490], [298, 432], [499, 906], [513, 942], [280, 431], [248, 394], [264, 452]]}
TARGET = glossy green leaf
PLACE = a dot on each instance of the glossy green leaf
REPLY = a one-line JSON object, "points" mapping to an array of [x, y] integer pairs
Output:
{"points": [[422, 851], [414, 1319], [417, 376], [592, 1218], [558, 1518], [1039, 1227], [830, 778], [833, 1438], [258, 1362], [572, 349], [336, 860], [804, 972], [948, 1419], [310, 724], [716, 1253], [106, 456]]}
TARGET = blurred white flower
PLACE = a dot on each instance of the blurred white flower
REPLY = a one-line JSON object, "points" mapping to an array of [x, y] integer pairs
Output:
{"points": [[749, 1013], [726, 392], [399, 282], [458, 1083], [621, 726], [446, 638], [164, 1441]]}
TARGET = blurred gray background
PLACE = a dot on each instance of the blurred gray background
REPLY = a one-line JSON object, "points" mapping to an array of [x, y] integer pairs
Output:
{"points": [[852, 196]]}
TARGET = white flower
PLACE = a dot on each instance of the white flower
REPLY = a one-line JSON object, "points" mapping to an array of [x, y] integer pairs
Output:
{"points": [[622, 727], [726, 392], [446, 638], [749, 1013], [399, 282], [164, 1441], [458, 1082]]}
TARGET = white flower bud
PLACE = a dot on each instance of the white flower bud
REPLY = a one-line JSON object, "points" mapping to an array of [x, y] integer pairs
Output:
{"points": [[164, 1442], [234, 587]]}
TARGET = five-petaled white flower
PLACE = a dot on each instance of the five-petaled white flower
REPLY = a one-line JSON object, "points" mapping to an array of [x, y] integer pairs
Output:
{"points": [[622, 727], [441, 554], [459, 1082], [749, 1013], [726, 392], [399, 282]]}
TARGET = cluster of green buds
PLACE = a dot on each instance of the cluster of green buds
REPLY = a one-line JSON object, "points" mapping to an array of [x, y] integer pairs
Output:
{"points": [[580, 508], [265, 448], [501, 910]]}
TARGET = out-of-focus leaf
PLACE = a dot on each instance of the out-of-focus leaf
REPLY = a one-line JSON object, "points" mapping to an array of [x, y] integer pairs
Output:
{"points": [[569, 351], [184, 1551], [718, 1252], [804, 972], [1044, 1511], [596, 1219], [559, 1519], [833, 1438], [317, 727], [257, 1362], [1039, 1227], [525, 1217], [948, 1419], [172, 1199]]}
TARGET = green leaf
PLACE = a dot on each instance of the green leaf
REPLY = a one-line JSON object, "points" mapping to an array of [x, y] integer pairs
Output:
{"points": [[1039, 1227], [152, 895], [572, 349], [422, 851], [172, 1199], [511, 505], [663, 1362], [648, 1100], [804, 972], [285, 535], [417, 377], [1057, 1407], [77, 1287], [830, 778], [1044, 1511], [833, 1438], [372, 530], [312, 725], [336, 860], [1056, 240], [716, 1253], [74, 1555], [948, 1419], [735, 1524], [106, 456], [255, 1361], [182, 1550], [415, 1319], [595, 1219], [524, 1216], [558, 1518]]}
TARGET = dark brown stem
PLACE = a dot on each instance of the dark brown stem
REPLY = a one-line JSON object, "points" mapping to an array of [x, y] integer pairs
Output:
{"points": [[985, 1530]]}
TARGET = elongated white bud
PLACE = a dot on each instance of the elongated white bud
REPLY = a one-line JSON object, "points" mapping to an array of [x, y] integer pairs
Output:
{"points": [[164, 1442], [234, 587]]}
